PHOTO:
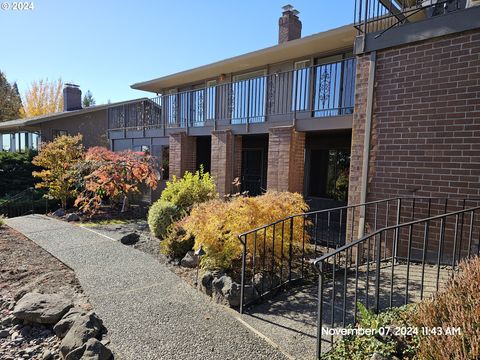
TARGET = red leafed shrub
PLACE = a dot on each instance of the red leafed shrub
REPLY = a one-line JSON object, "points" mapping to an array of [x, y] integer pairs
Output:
{"points": [[113, 175]]}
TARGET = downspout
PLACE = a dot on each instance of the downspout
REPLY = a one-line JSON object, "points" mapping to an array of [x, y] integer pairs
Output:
{"points": [[366, 142]]}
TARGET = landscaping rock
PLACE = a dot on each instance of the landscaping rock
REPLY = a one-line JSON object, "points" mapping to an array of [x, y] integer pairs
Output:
{"points": [[72, 217], [63, 326], [377, 356], [95, 350], [82, 329], [41, 308], [59, 213], [230, 291], [190, 260], [205, 283], [265, 282], [130, 239]]}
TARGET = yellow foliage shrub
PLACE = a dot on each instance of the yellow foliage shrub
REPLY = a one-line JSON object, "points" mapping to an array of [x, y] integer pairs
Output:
{"points": [[216, 225]]}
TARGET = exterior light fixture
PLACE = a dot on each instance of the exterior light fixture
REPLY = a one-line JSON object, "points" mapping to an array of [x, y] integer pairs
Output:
{"points": [[200, 252]]}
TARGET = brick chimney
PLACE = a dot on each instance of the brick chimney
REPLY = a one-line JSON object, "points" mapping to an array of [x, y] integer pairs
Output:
{"points": [[289, 25], [72, 97]]}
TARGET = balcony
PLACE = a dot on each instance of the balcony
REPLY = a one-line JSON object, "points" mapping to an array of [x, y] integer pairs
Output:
{"points": [[320, 91], [386, 23]]}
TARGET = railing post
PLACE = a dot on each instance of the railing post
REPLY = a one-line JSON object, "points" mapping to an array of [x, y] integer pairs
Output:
{"points": [[397, 230], [242, 284], [290, 251], [320, 310]]}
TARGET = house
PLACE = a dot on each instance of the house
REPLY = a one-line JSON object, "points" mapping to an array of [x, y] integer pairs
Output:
{"points": [[278, 118], [91, 122]]}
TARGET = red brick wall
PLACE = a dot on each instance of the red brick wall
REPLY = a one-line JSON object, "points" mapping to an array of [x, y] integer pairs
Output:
{"points": [[286, 159], [182, 154], [226, 160], [426, 123]]}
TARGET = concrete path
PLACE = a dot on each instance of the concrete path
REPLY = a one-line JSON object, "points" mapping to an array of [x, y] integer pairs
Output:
{"points": [[150, 313]]}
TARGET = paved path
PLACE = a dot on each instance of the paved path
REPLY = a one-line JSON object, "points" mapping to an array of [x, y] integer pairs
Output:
{"points": [[150, 313]]}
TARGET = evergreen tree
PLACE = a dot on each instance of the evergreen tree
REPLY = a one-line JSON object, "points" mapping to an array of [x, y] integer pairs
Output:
{"points": [[10, 101], [88, 99]]}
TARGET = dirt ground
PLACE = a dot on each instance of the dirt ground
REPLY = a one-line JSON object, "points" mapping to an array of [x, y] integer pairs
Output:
{"points": [[25, 267]]}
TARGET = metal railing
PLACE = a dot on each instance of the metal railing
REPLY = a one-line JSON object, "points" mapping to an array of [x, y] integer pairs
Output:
{"points": [[381, 15], [393, 266], [277, 255], [317, 91], [135, 116], [24, 203]]}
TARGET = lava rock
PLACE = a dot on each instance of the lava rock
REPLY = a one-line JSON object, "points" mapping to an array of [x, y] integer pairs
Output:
{"points": [[190, 260], [130, 239], [82, 329], [72, 217], [41, 308]]}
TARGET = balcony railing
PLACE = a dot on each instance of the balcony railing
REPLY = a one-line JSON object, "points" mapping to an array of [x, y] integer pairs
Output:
{"points": [[381, 15], [135, 116], [317, 91]]}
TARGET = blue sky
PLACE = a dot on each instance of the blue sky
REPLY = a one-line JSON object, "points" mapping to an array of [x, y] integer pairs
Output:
{"points": [[105, 45]]}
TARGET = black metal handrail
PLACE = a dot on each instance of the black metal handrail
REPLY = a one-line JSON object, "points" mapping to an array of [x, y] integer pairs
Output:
{"points": [[372, 16], [278, 254], [392, 265]]}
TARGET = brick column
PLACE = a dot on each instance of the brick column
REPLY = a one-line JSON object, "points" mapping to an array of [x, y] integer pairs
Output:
{"points": [[286, 159], [226, 159], [182, 154]]}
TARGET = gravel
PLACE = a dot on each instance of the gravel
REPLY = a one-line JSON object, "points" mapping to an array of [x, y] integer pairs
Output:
{"points": [[149, 312]]}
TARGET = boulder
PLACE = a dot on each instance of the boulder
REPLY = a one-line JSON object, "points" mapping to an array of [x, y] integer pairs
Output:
{"points": [[59, 213], [265, 282], [95, 350], [82, 329], [72, 217], [190, 260], [230, 291], [205, 283], [41, 308], [63, 326], [377, 356], [130, 239]]}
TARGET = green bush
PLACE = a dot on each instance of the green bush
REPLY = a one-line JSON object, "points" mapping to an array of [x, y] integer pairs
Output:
{"points": [[190, 189], [160, 216], [16, 172], [177, 242], [362, 347]]}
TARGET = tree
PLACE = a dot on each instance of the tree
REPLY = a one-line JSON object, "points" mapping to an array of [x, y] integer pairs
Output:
{"points": [[88, 99], [57, 158], [44, 97], [113, 175], [10, 102]]}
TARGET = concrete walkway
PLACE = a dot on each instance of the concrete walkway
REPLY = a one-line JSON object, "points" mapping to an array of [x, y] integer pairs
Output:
{"points": [[150, 313]]}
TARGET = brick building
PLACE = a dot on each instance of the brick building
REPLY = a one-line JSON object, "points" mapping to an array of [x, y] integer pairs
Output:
{"points": [[387, 107]]}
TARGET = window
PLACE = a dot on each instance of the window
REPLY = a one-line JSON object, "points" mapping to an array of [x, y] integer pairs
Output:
{"points": [[57, 133], [329, 173]]}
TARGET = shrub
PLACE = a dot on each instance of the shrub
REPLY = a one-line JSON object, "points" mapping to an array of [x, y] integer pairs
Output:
{"points": [[216, 225], [57, 159], [362, 347], [2, 221], [456, 306], [160, 216], [115, 175], [190, 189], [16, 172], [177, 242]]}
